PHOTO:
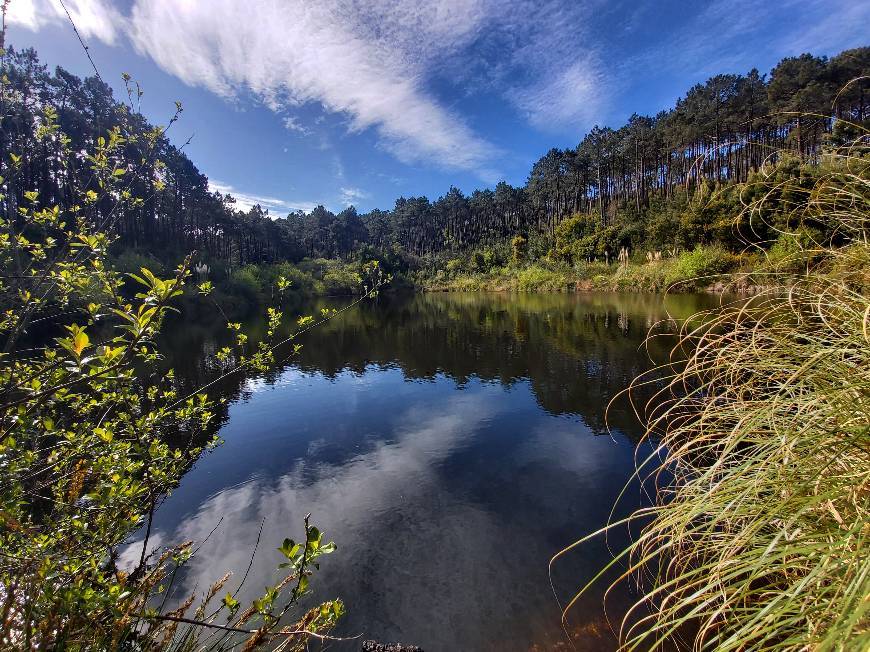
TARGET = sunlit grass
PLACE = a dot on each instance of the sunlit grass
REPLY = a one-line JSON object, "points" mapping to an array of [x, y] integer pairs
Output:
{"points": [[757, 537]]}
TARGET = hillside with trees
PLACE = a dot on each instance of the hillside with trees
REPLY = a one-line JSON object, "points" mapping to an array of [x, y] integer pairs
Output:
{"points": [[667, 182], [753, 461]]}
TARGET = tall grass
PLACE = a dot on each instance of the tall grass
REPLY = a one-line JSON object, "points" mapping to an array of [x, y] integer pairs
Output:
{"points": [[757, 537]]}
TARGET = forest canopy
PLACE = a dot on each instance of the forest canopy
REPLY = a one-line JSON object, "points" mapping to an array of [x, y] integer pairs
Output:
{"points": [[629, 187]]}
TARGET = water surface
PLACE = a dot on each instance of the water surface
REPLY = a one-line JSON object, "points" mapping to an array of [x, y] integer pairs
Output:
{"points": [[448, 443]]}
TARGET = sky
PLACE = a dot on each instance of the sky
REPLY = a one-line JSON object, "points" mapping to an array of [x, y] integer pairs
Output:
{"points": [[294, 103]]}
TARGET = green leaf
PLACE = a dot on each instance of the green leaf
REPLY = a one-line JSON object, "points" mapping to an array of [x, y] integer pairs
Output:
{"points": [[105, 435], [79, 342], [230, 602]]}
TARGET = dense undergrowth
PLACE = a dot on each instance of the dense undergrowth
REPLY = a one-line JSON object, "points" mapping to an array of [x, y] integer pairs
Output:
{"points": [[697, 269], [740, 237], [243, 290], [757, 537]]}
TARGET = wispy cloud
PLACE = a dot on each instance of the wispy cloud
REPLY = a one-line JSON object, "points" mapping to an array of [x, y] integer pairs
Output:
{"points": [[351, 196], [714, 40], [93, 18], [292, 123], [372, 62], [396, 67], [367, 61], [559, 61], [543, 57], [246, 201], [573, 97]]}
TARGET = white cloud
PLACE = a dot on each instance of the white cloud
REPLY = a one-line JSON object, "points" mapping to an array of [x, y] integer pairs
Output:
{"points": [[350, 196], [246, 201], [543, 57], [375, 62], [292, 124], [372, 62], [572, 97], [367, 61], [337, 167], [92, 18]]}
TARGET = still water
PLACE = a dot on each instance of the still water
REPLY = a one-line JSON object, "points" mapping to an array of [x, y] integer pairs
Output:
{"points": [[448, 443]]}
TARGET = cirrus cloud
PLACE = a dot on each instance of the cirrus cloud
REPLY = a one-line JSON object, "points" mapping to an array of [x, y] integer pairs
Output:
{"points": [[93, 18], [245, 201], [375, 62], [346, 56]]}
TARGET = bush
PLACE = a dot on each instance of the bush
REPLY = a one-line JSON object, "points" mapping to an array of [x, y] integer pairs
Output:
{"points": [[341, 280], [132, 261], [792, 251], [536, 278], [519, 249], [699, 267], [85, 431], [245, 284]]}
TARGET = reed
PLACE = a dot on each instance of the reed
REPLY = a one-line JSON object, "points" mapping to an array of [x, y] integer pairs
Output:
{"points": [[757, 535]]}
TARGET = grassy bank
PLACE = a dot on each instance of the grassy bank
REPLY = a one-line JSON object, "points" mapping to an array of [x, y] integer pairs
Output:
{"points": [[758, 535], [700, 268]]}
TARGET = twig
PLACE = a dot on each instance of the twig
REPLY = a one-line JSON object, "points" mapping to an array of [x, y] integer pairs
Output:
{"points": [[239, 630]]}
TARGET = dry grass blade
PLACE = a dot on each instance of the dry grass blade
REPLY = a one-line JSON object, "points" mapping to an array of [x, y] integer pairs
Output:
{"points": [[760, 527]]}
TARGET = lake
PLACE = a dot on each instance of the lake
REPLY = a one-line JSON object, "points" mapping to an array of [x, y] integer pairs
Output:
{"points": [[450, 444]]}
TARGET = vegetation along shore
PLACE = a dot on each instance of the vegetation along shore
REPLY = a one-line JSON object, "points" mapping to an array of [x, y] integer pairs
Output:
{"points": [[657, 203], [753, 468]]}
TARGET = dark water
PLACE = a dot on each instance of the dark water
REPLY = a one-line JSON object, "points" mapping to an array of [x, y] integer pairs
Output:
{"points": [[449, 444]]}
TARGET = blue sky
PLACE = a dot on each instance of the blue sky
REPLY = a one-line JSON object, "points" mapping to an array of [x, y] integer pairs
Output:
{"points": [[291, 103]]}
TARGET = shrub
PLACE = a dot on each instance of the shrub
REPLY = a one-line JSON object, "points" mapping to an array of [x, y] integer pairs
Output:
{"points": [[341, 280], [478, 262], [792, 251], [132, 261], [699, 267], [245, 284], [519, 249], [535, 277], [454, 266], [85, 426]]}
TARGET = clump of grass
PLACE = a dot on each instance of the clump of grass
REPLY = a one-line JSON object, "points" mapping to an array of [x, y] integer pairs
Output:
{"points": [[536, 278], [758, 534], [699, 267]]}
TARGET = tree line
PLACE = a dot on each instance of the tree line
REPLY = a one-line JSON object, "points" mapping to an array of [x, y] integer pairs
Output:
{"points": [[720, 132]]}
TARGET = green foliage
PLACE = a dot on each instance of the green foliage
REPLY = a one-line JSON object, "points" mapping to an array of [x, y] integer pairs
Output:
{"points": [[536, 278], [86, 426], [792, 252], [341, 280], [454, 265], [519, 249], [760, 443], [484, 260], [246, 283], [700, 266], [131, 261], [299, 282], [581, 238], [648, 277]]}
